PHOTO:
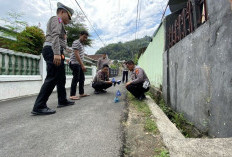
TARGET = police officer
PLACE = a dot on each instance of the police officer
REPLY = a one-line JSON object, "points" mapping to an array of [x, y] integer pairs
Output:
{"points": [[101, 61], [140, 83], [53, 55], [101, 81]]}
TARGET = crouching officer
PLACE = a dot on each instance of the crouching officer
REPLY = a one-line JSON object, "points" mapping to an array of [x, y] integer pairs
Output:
{"points": [[101, 80], [53, 55], [140, 83]]}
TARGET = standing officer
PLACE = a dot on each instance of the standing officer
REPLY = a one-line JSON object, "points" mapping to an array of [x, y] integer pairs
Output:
{"points": [[140, 83], [124, 73], [53, 55], [101, 81], [101, 61]]}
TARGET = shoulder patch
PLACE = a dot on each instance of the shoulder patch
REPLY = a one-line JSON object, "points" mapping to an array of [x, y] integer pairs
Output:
{"points": [[137, 71], [60, 20]]}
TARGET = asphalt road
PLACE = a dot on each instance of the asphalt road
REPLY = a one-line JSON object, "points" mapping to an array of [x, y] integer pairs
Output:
{"points": [[90, 128]]}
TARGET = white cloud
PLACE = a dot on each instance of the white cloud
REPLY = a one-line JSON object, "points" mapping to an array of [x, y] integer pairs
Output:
{"points": [[115, 20]]}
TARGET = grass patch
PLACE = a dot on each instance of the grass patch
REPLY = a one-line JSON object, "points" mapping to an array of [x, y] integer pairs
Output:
{"points": [[142, 134], [150, 126], [162, 153], [186, 127], [139, 105]]}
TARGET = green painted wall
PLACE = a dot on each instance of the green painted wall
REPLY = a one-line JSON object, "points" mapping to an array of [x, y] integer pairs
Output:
{"points": [[151, 60]]}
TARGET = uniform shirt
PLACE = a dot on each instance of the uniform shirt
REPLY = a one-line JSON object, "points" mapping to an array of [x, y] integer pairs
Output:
{"points": [[101, 62], [77, 45], [138, 75], [124, 67], [101, 77], [56, 34]]}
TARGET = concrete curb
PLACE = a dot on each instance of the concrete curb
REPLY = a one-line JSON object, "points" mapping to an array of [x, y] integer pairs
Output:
{"points": [[179, 146]]}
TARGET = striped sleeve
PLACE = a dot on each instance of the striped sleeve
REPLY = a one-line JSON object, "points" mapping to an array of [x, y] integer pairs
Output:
{"points": [[76, 45]]}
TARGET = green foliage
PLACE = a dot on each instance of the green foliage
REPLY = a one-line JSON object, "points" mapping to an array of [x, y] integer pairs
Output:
{"points": [[140, 105], [150, 126], [20, 37], [73, 32], [177, 118], [30, 40], [114, 66], [163, 153], [136, 59], [124, 51]]}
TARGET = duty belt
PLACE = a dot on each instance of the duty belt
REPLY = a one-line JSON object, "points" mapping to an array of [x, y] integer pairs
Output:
{"points": [[47, 44]]}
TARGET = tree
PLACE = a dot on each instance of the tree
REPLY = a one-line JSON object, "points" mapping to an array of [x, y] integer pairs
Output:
{"points": [[31, 40], [14, 24], [74, 29], [27, 39]]}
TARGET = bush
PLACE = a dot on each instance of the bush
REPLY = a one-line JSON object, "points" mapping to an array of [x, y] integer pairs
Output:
{"points": [[30, 40]]}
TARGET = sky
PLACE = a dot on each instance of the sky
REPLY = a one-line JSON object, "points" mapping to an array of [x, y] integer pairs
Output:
{"points": [[114, 20]]}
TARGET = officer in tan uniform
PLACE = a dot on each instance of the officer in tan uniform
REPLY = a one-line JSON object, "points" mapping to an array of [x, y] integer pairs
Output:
{"points": [[101, 81], [140, 82], [53, 50]]}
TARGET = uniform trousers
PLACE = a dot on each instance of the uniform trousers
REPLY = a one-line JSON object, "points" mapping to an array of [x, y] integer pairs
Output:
{"points": [[55, 77], [98, 86], [137, 89]]}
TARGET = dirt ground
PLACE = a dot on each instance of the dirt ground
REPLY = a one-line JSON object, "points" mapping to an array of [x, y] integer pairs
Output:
{"points": [[140, 143]]}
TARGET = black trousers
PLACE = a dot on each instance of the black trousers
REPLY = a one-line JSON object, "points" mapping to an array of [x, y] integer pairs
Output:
{"points": [[137, 89], [78, 76], [125, 76], [55, 77], [98, 86]]}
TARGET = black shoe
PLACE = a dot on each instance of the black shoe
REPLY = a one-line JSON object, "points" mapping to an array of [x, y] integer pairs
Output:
{"points": [[96, 92], [44, 111], [142, 97], [103, 91], [67, 103]]}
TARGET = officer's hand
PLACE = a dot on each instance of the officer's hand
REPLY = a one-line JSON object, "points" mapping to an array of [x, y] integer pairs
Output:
{"points": [[57, 60], [128, 83], [84, 68]]}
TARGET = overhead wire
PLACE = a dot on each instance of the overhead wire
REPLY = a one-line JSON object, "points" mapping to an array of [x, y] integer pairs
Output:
{"points": [[90, 23], [50, 6], [137, 19]]}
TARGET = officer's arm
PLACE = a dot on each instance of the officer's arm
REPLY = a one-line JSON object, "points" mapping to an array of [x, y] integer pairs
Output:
{"points": [[55, 33], [139, 76]]}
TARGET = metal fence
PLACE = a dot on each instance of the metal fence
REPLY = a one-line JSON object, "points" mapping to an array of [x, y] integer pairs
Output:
{"points": [[190, 18], [113, 72]]}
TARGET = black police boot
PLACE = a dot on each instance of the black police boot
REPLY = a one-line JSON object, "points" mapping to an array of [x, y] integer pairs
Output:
{"points": [[96, 92], [66, 103], [142, 97], [43, 111], [103, 91]]}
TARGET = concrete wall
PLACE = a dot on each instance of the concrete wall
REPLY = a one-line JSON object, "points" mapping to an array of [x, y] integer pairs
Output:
{"points": [[151, 59], [20, 86], [200, 73], [15, 86]]}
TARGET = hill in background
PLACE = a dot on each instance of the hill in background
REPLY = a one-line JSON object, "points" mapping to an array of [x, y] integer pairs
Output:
{"points": [[125, 51]]}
